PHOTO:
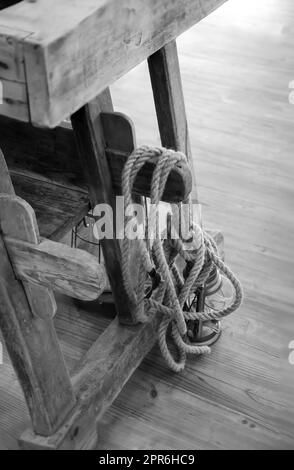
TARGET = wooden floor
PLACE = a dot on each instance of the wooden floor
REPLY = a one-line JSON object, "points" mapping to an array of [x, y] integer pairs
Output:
{"points": [[236, 67]]}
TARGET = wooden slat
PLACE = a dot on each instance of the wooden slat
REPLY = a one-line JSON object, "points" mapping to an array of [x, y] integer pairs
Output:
{"points": [[67, 270], [32, 343], [178, 185], [112, 38], [169, 102], [88, 131], [41, 299], [58, 208]]}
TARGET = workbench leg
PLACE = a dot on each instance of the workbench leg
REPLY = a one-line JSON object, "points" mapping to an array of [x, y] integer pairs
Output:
{"points": [[29, 333], [87, 126], [169, 102], [35, 354]]}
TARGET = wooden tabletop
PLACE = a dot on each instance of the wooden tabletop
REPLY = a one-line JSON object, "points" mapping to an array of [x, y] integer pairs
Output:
{"points": [[57, 55]]}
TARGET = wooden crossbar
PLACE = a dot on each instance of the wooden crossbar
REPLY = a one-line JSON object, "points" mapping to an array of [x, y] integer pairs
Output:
{"points": [[63, 269]]}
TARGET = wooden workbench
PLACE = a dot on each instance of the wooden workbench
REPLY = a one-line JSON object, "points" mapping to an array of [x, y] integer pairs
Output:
{"points": [[54, 65], [57, 55]]}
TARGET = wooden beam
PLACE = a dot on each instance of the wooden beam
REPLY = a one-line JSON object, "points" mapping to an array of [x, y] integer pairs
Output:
{"points": [[178, 185], [88, 131], [70, 58], [119, 139], [58, 208], [14, 100], [35, 353], [54, 265], [40, 298], [169, 102], [26, 322], [13, 89]]}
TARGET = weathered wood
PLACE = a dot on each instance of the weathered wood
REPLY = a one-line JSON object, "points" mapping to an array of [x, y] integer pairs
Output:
{"points": [[118, 134], [88, 131], [33, 348], [169, 102], [178, 185], [54, 265], [18, 218], [240, 396], [14, 101], [98, 378], [58, 207], [112, 38], [41, 299], [52, 153], [26, 322]]}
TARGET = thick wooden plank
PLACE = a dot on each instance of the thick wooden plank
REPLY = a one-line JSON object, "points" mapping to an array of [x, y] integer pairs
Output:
{"points": [[13, 89], [169, 102], [112, 38], [41, 299], [119, 140], [35, 354], [63, 269], [58, 208], [88, 131], [178, 185], [26, 322]]}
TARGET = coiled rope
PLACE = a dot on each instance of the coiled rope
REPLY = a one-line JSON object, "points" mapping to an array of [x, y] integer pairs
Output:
{"points": [[171, 296]]}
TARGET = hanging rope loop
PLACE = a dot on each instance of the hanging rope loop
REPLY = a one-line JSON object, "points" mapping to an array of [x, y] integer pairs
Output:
{"points": [[171, 290]]}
